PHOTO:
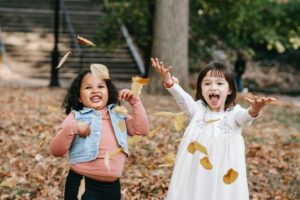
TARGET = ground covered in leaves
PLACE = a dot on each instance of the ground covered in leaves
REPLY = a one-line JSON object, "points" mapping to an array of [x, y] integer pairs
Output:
{"points": [[29, 117]]}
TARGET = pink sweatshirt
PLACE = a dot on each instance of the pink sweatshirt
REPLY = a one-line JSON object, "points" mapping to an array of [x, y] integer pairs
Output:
{"points": [[137, 124]]}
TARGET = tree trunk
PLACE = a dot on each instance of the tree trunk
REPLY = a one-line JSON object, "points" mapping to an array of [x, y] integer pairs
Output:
{"points": [[170, 41]]}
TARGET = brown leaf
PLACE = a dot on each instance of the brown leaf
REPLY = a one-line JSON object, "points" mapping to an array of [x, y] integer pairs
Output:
{"points": [[85, 42], [206, 163], [196, 146], [63, 59], [230, 176], [99, 71]]}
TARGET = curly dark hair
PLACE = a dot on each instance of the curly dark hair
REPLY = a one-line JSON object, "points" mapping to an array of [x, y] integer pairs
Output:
{"points": [[220, 70], [71, 100]]}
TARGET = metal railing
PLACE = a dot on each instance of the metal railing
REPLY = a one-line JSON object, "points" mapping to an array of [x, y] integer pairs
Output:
{"points": [[67, 22], [133, 50]]}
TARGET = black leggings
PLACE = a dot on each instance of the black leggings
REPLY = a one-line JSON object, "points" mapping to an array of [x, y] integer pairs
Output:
{"points": [[94, 190]]}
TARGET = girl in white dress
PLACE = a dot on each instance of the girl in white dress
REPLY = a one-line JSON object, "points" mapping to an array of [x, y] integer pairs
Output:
{"points": [[210, 162]]}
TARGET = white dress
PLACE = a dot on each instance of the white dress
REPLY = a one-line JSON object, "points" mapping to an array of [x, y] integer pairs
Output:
{"points": [[221, 144]]}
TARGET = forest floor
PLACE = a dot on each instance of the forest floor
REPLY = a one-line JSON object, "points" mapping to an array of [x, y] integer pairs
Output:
{"points": [[29, 117]]}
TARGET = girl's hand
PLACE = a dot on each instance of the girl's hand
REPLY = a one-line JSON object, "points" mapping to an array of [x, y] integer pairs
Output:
{"points": [[257, 103], [82, 129], [126, 94], [163, 72]]}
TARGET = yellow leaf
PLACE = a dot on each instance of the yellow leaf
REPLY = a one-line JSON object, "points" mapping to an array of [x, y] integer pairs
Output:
{"points": [[85, 42], [121, 110], [134, 139], [140, 80], [179, 121], [115, 152], [108, 155], [170, 158], [81, 188], [211, 121], [195, 146], [167, 114], [99, 71], [64, 58], [230, 176], [9, 182], [136, 88], [52, 108], [206, 163], [106, 160], [154, 131], [122, 126]]}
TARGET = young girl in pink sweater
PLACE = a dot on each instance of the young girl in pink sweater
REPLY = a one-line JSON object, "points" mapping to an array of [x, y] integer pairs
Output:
{"points": [[91, 129]]}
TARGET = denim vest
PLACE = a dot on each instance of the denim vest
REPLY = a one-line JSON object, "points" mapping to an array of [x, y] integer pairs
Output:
{"points": [[84, 149]]}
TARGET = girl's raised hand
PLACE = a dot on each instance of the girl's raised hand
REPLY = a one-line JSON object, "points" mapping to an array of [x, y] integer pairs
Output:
{"points": [[126, 94], [257, 103], [163, 72]]}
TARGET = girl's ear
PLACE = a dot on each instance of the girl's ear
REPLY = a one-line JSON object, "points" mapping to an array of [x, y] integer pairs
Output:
{"points": [[229, 92], [79, 100]]}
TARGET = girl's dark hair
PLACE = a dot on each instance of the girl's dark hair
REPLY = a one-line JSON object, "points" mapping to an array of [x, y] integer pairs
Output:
{"points": [[220, 70], [71, 100]]}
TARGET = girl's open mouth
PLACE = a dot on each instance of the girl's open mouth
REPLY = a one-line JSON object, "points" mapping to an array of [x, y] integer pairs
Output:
{"points": [[95, 99]]}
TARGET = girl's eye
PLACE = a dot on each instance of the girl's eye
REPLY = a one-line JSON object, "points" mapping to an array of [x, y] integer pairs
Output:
{"points": [[88, 87], [206, 83], [220, 83], [100, 86]]}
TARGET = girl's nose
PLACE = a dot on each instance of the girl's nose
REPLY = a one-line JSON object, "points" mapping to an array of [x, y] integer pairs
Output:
{"points": [[95, 90]]}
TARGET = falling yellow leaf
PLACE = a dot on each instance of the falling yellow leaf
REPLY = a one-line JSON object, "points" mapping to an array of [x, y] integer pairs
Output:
{"points": [[122, 126], [154, 131], [166, 114], [42, 142], [9, 182], [196, 146], [206, 163], [136, 88], [170, 158], [64, 58], [134, 139], [121, 110], [137, 85], [211, 121], [85, 42], [99, 71], [108, 155], [141, 80], [230, 176], [81, 188], [179, 121]]}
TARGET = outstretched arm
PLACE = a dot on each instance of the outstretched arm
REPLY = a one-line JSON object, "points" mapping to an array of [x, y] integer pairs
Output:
{"points": [[257, 103], [183, 99]]}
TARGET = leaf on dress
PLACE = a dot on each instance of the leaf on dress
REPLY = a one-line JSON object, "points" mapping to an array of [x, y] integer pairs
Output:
{"points": [[99, 71], [84, 41], [121, 110], [108, 155], [122, 126], [206, 163], [63, 59], [196, 146], [230, 176], [211, 121], [154, 131], [179, 121], [81, 189], [9, 182]]}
